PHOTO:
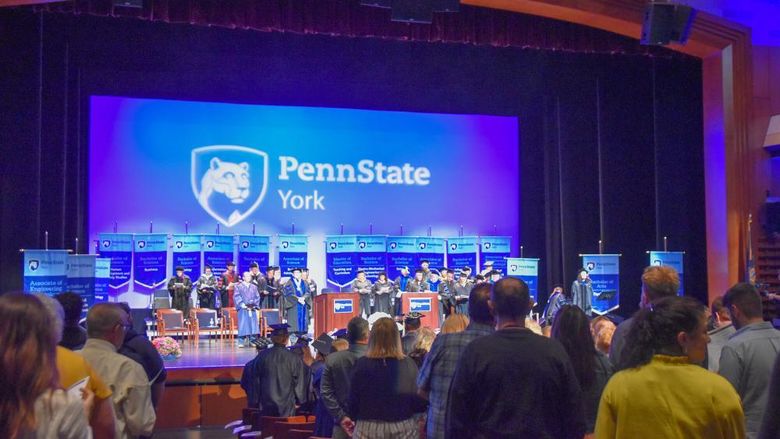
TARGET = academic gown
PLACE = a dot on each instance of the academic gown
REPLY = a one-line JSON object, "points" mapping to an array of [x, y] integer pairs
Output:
{"points": [[446, 292], [278, 381], [226, 293], [461, 297], [258, 280], [180, 296], [582, 295], [207, 290], [297, 314], [246, 294], [364, 292], [273, 289], [408, 340], [382, 293]]}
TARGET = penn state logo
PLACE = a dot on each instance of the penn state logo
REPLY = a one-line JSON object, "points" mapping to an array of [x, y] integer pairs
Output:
{"points": [[141, 244], [513, 267], [210, 244], [245, 244], [229, 181], [393, 245], [34, 264], [362, 244], [453, 247], [423, 245], [106, 243], [333, 245], [285, 244], [487, 245], [657, 262], [179, 244], [591, 266]]}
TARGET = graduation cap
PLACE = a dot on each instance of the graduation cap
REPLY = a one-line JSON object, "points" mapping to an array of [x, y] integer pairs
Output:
{"points": [[488, 264], [261, 343], [412, 316], [436, 272], [179, 268], [295, 269], [231, 264], [305, 269], [254, 265], [208, 266], [303, 337], [340, 333], [323, 344], [280, 329]]}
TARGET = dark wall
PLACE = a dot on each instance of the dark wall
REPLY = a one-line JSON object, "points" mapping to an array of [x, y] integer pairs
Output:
{"points": [[611, 145]]}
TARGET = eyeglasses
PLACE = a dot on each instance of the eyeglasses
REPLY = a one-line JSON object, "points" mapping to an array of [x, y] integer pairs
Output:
{"points": [[125, 326]]}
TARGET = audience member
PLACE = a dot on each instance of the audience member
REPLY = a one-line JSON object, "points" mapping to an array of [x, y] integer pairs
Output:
{"points": [[663, 392], [747, 358], [279, 376], [383, 397], [422, 345], [106, 327], [325, 345], [592, 368], [412, 323], [438, 368], [721, 331], [336, 377], [602, 329], [454, 323], [770, 427], [73, 335], [514, 383], [138, 347], [32, 403], [657, 282]]}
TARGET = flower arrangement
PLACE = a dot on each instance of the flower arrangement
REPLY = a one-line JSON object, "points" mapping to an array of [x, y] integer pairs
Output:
{"points": [[167, 347]]}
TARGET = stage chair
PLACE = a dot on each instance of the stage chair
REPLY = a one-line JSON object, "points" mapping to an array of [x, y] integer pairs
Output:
{"points": [[171, 322], [205, 319], [268, 317], [229, 323]]}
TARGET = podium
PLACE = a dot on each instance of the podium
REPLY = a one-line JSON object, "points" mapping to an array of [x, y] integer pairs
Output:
{"points": [[424, 303], [334, 310]]}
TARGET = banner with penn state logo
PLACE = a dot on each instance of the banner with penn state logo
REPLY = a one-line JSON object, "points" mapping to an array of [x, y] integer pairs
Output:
{"points": [[217, 252], [496, 249], [253, 248], [102, 279], [340, 260], [462, 252], [432, 250], [119, 248], [186, 254], [45, 271], [401, 252], [526, 269], [293, 253], [672, 259], [372, 255], [149, 259], [604, 272], [81, 279]]}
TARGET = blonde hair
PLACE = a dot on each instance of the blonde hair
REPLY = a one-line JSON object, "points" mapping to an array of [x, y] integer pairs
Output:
{"points": [[455, 323], [339, 345], [385, 340], [424, 340]]}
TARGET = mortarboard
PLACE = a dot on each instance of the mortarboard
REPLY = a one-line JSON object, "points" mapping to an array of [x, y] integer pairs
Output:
{"points": [[340, 333], [280, 329], [323, 344], [179, 268], [413, 316]]}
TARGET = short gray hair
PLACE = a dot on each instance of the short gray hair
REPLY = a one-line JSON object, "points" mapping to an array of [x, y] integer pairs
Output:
{"points": [[56, 314], [102, 317]]}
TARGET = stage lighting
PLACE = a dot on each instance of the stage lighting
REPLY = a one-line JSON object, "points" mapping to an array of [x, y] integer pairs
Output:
{"points": [[129, 3], [377, 3], [413, 11], [666, 22]]}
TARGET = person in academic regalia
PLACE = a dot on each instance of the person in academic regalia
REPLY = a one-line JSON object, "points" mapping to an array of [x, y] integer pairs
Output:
{"points": [[425, 267], [446, 292], [412, 324], [310, 284], [207, 288], [466, 272], [229, 281], [273, 289], [487, 267], [297, 302], [494, 276], [323, 426], [418, 284], [400, 288], [258, 280], [362, 286], [180, 288], [582, 291], [247, 301], [382, 290], [248, 375], [278, 374], [462, 290], [434, 279]]}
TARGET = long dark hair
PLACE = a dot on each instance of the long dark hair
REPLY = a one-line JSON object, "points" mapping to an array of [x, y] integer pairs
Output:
{"points": [[572, 328], [655, 329]]}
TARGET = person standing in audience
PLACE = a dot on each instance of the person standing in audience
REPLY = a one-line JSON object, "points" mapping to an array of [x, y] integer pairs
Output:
{"points": [[207, 288], [436, 373], [454, 323], [412, 323], [278, 379], [180, 289], [747, 359], [32, 403], [362, 287], [137, 347], [383, 397], [663, 392], [382, 290], [582, 291], [229, 281], [247, 300], [418, 284], [73, 335], [337, 376], [514, 383], [323, 425], [770, 427], [462, 290], [592, 367], [657, 282], [720, 332], [400, 288], [422, 345], [132, 396], [602, 329]]}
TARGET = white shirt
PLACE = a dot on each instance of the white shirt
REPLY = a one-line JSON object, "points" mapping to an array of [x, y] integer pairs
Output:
{"points": [[59, 416]]}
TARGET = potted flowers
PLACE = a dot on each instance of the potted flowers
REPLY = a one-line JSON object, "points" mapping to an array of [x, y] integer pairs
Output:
{"points": [[167, 347]]}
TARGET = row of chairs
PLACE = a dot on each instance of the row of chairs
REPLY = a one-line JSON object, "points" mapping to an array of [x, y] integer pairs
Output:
{"points": [[254, 425], [205, 320]]}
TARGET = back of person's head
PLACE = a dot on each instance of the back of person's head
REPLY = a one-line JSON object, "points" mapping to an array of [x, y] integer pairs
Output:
{"points": [[72, 304], [27, 361], [424, 339], [280, 339], [339, 345], [357, 330], [659, 281], [479, 304], [56, 315], [454, 323], [746, 299], [602, 329], [510, 299], [656, 329], [102, 318], [572, 329], [412, 324], [385, 341]]}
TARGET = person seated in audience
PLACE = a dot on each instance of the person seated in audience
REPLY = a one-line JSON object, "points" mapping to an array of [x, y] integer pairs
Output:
{"points": [[383, 396], [747, 358], [721, 329], [132, 396], [73, 335], [662, 392], [422, 345], [324, 345], [602, 329], [138, 347], [32, 401], [770, 426], [454, 323], [592, 368], [514, 383], [279, 376], [412, 323]]}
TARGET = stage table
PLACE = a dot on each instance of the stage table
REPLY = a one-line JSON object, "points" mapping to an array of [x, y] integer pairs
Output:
{"points": [[334, 311]]}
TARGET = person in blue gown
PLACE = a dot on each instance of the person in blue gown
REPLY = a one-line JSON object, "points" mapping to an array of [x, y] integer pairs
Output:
{"points": [[247, 301], [297, 302]]}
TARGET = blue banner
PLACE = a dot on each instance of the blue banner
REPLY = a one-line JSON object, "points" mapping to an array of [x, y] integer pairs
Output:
{"points": [[605, 277], [186, 254], [119, 248], [293, 253], [526, 269], [340, 260], [149, 259], [401, 252], [102, 279], [496, 249], [45, 271], [81, 279], [432, 250], [672, 259], [372, 255], [462, 252], [253, 248], [217, 252]]}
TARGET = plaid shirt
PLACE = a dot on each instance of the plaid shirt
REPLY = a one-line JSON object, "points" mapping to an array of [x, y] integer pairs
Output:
{"points": [[438, 370]]}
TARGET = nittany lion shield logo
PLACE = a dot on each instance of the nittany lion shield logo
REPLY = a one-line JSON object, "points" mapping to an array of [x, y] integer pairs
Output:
{"points": [[393, 245], [106, 243], [285, 244], [229, 181], [34, 264], [141, 244], [422, 245], [362, 244], [244, 244], [591, 266], [487, 245], [657, 262], [333, 245], [453, 247], [513, 268]]}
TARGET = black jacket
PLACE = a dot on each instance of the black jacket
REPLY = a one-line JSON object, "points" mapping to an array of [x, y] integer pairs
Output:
{"points": [[337, 377]]}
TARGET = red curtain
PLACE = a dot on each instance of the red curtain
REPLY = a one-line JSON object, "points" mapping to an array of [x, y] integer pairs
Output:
{"points": [[472, 25]]}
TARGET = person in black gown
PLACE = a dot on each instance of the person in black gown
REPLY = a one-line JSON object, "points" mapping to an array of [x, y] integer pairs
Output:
{"points": [[278, 379]]}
